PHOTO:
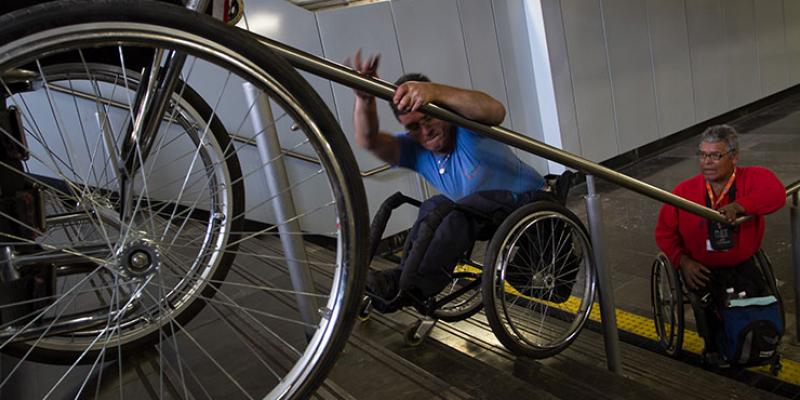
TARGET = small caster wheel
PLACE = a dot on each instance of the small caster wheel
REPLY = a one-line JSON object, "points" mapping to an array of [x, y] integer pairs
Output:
{"points": [[776, 367], [365, 309], [412, 337]]}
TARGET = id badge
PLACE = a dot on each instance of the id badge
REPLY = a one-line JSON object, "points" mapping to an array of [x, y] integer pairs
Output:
{"points": [[720, 236]]}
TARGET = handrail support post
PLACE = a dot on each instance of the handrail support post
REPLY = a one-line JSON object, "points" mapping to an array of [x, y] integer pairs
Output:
{"points": [[277, 180], [605, 289], [794, 221]]}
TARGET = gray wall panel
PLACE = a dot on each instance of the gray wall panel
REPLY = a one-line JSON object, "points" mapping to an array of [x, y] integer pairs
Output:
{"points": [[742, 63], [631, 72], [295, 26], [671, 64], [562, 75], [708, 53], [515, 52], [431, 40], [791, 17], [771, 43], [483, 54], [371, 29], [583, 28]]}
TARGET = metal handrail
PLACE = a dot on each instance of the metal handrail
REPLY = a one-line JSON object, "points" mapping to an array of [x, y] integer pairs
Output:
{"points": [[385, 90], [793, 188]]}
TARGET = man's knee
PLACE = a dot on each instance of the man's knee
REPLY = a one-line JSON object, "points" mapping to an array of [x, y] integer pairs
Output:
{"points": [[432, 204]]}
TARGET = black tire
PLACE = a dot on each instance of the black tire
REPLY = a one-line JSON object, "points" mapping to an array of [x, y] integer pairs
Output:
{"points": [[464, 306], [667, 305], [521, 289], [238, 52]]}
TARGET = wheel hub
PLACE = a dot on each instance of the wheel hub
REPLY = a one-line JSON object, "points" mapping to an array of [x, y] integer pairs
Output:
{"points": [[139, 259], [542, 280]]}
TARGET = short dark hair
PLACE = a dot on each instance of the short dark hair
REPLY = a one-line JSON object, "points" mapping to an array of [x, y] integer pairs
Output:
{"points": [[722, 133], [415, 77]]}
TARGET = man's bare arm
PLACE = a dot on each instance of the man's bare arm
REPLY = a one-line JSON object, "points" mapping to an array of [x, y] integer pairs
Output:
{"points": [[367, 131], [470, 104], [365, 114]]}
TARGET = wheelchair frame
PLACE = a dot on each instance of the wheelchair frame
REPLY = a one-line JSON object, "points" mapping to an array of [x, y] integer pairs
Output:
{"points": [[507, 326], [668, 306]]}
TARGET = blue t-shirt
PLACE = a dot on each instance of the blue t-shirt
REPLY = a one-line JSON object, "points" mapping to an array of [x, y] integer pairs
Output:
{"points": [[476, 164]]}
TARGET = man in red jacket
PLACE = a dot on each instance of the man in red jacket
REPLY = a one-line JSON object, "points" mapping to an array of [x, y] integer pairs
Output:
{"points": [[714, 256]]}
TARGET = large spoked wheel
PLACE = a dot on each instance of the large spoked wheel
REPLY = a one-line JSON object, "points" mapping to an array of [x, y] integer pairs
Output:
{"points": [[666, 299], [164, 257], [465, 283], [538, 283], [162, 272]]}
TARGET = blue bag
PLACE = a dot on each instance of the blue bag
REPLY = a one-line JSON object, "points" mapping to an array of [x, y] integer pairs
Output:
{"points": [[751, 331]]}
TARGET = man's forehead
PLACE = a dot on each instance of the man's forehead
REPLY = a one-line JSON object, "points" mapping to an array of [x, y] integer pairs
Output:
{"points": [[713, 146]]}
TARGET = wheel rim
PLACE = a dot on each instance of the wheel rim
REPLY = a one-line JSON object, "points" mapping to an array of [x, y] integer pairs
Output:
{"points": [[287, 347], [142, 238], [664, 305], [531, 298]]}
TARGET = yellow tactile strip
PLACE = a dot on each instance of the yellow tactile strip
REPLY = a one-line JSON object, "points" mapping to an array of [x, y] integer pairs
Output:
{"points": [[645, 327]]}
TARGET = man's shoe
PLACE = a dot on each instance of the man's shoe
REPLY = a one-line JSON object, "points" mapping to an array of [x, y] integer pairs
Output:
{"points": [[382, 284]]}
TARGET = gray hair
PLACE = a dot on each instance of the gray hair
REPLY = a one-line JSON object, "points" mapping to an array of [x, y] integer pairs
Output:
{"points": [[722, 133]]}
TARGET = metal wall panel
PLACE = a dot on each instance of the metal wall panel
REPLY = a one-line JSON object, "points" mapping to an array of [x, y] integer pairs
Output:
{"points": [[562, 75], [583, 28], [483, 54], [518, 67], [371, 29], [293, 25], [791, 17], [742, 63], [771, 44], [631, 72], [708, 54], [431, 40], [671, 65]]}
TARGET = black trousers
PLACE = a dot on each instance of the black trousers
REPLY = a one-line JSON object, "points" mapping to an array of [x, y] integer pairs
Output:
{"points": [[474, 217]]}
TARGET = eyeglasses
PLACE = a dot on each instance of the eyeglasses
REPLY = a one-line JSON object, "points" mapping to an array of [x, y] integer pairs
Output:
{"points": [[702, 155]]}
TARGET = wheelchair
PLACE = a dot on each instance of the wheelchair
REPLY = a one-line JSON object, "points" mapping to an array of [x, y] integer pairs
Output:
{"points": [[536, 283], [669, 296]]}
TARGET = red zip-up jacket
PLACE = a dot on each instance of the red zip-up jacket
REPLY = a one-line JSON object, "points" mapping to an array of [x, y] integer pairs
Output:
{"points": [[678, 232]]}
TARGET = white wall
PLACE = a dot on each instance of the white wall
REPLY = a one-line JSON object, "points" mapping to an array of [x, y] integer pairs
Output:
{"points": [[619, 73], [466, 43], [627, 72]]}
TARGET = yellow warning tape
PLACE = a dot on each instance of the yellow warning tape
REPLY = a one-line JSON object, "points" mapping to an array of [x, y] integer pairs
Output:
{"points": [[645, 327]]}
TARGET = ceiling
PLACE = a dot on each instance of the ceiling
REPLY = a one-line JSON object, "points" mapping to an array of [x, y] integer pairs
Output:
{"points": [[323, 4]]}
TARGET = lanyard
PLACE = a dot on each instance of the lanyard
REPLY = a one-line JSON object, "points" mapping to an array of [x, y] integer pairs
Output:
{"points": [[715, 202]]}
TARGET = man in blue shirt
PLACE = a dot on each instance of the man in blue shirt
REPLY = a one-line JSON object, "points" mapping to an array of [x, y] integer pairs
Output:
{"points": [[467, 168]]}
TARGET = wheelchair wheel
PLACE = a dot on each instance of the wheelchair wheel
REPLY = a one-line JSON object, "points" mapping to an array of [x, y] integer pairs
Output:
{"points": [[666, 299], [765, 265], [467, 303], [167, 253], [538, 280]]}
